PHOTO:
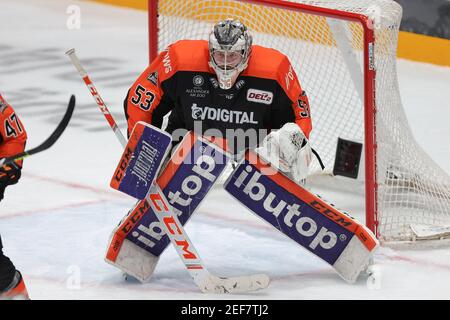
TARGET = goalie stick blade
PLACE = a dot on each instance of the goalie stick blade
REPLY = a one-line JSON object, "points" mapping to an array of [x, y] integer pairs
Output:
{"points": [[50, 140], [242, 284]]}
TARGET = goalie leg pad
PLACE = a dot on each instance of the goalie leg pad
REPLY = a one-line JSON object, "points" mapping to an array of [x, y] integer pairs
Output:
{"points": [[328, 233], [135, 261], [186, 180]]}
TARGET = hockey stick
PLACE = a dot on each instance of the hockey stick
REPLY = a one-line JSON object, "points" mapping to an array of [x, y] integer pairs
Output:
{"points": [[76, 62], [50, 140], [205, 280]]}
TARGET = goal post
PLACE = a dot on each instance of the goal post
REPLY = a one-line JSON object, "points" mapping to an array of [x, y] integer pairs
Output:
{"points": [[344, 53]]}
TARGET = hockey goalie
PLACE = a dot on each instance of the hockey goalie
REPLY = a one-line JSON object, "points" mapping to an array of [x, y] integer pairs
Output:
{"points": [[250, 97]]}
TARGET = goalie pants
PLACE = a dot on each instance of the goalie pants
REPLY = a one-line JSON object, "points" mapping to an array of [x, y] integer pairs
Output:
{"points": [[7, 269]]}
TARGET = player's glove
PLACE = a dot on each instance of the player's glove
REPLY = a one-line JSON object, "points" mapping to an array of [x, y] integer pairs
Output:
{"points": [[289, 150], [9, 174]]}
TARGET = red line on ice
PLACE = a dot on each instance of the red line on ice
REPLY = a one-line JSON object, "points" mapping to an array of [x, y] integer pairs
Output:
{"points": [[144, 288], [75, 185], [421, 262], [47, 210]]}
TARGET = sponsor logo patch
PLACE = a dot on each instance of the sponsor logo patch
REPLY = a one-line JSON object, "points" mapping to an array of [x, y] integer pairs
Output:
{"points": [[222, 115], [153, 78], [240, 84], [259, 96], [227, 96], [196, 112], [167, 63], [198, 81], [197, 92], [289, 77], [214, 82]]}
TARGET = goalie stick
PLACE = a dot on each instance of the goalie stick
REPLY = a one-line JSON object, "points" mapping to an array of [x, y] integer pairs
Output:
{"points": [[205, 280], [76, 62], [50, 140]]}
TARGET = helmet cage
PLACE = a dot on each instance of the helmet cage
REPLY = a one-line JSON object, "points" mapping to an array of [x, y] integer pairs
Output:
{"points": [[229, 40]]}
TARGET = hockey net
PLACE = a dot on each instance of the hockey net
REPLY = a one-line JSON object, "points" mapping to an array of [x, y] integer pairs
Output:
{"points": [[344, 53]]}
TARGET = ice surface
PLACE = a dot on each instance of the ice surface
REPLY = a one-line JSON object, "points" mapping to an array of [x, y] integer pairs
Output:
{"points": [[55, 224]]}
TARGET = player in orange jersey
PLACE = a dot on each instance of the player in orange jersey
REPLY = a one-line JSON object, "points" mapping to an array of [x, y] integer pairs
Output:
{"points": [[12, 141], [223, 85]]}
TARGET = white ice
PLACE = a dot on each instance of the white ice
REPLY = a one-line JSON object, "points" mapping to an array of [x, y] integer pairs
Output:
{"points": [[55, 223]]}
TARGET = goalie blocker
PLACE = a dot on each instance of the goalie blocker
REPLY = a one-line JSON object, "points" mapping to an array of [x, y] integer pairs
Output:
{"points": [[139, 239], [328, 233], [141, 160]]}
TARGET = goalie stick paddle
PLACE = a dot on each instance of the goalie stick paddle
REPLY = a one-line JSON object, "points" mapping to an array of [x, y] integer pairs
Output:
{"points": [[50, 140], [205, 280]]}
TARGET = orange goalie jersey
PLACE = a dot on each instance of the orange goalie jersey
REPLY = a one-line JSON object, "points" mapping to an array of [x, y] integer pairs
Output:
{"points": [[12, 132], [266, 95]]}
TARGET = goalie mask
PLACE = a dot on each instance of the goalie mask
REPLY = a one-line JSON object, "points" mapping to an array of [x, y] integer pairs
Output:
{"points": [[229, 51]]}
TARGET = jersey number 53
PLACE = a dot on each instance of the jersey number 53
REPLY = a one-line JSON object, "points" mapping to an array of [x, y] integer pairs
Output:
{"points": [[143, 98]]}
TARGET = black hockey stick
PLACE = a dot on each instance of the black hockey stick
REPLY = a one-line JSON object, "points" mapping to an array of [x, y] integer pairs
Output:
{"points": [[50, 140]]}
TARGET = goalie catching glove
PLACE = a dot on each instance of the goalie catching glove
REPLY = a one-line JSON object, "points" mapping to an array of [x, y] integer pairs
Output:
{"points": [[289, 150]]}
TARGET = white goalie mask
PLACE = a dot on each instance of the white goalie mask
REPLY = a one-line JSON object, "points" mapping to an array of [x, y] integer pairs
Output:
{"points": [[229, 50]]}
